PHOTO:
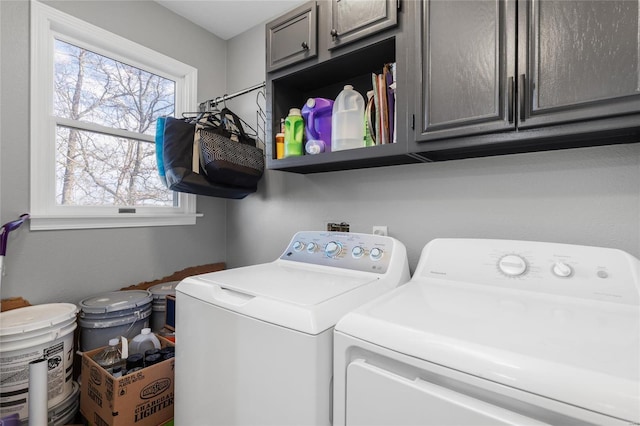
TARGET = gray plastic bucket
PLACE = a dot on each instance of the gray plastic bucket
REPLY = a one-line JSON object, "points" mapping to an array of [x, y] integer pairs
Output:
{"points": [[30, 333], [159, 305], [113, 314]]}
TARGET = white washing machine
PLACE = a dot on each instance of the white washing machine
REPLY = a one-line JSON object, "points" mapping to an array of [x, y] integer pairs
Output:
{"points": [[493, 332], [254, 344]]}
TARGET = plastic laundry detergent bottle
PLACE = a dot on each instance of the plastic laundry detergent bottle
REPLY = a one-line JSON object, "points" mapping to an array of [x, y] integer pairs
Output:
{"points": [[143, 342], [293, 133], [347, 127], [316, 113]]}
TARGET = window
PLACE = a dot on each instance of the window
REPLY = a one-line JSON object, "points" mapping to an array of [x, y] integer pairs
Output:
{"points": [[95, 99]]}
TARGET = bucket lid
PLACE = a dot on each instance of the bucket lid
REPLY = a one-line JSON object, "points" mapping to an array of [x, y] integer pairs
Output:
{"points": [[159, 291], [36, 317], [115, 301]]}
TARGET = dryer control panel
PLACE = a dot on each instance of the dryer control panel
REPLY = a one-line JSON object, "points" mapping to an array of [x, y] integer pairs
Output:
{"points": [[563, 269], [360, 252]]}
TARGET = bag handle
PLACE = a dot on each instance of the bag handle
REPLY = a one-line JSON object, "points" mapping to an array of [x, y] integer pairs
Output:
{"points": [[238, 123]]}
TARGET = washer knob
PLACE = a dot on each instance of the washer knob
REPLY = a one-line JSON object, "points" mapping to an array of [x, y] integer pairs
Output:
{"points": [[512, 265], [311, 247], [333, 249], [562, 270], [376, 253], [298, 246], [357, 252]]}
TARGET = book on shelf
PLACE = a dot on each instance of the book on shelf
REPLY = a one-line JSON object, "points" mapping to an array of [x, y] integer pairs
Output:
{"points": [[382, 114]]}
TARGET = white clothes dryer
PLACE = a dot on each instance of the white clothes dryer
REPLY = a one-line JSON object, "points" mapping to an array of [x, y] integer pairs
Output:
{"points": [[254, 344], [495, 332]]}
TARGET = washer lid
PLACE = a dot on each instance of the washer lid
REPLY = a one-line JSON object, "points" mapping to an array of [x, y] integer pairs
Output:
{"points": [[303, 297], [36, 317], [115, 301], [582, 352]]}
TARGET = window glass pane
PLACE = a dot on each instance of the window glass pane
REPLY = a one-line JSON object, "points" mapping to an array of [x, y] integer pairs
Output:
{"points": [[94, 88], [94, 169]]}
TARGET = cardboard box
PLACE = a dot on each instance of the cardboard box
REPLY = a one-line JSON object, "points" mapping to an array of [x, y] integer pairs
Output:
{"points": [[142, 398]]}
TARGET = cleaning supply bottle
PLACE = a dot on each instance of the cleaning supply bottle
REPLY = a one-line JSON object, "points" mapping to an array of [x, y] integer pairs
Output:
{"points": [[293, 134], [110, 358], [347, 127], [280, 141], [316, 113], [143, 342]]}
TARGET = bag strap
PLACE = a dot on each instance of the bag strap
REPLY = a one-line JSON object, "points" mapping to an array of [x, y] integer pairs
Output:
{"points": [[237, 121]]}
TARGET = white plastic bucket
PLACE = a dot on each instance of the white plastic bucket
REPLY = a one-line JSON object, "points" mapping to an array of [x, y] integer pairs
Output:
{"points": [[159, 305], [113, 314], [30, 333], [63, 413]]}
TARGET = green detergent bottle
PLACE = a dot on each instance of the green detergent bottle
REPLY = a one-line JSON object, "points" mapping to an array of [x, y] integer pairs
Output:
{"points": [[293, 134]]}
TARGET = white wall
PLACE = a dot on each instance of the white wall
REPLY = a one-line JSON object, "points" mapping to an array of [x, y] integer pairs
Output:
{"points": [[53, 266], [587, 196]]}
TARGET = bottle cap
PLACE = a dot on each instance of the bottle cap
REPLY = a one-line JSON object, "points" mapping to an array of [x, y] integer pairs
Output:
{"points": [[348, 87], [295, 111], [114, 342], [146, 331], [311, 102]]}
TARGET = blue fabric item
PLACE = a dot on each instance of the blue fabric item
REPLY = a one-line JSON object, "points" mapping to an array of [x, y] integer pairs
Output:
{"points": [[159, 148]]}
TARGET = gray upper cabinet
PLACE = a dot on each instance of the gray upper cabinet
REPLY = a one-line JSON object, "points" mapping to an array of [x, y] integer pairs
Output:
{"points": [[351, 20], [467, 76], [578, 60], [577, 66], [292, 37]]}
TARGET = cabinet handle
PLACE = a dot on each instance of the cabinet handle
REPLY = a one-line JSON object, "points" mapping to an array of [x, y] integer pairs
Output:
{"points": [[334, 33], [305, 46], [522, 94], [510, 96]]}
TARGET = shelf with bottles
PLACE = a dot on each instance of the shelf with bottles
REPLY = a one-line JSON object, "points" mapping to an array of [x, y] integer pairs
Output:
{"points": [[327, 80]]}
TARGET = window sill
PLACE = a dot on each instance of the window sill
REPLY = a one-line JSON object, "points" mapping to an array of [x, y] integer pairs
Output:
{"points": [[46, 223]]}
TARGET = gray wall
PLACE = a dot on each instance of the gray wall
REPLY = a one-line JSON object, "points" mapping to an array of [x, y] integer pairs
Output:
{"points": [[588, 196], [53, 266]]}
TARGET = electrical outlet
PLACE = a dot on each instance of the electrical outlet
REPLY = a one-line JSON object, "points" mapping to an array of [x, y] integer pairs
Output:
{"points": [[380, 230]]}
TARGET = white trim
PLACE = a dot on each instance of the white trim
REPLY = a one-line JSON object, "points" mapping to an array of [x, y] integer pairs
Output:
{"points": [[48, 23]]}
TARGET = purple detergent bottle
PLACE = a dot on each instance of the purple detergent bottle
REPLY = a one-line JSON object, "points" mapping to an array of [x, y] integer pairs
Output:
{"points": [[317, 118]]}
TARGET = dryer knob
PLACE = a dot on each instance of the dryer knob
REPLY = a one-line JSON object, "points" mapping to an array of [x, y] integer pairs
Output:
{"points": [[512, 265], [298, 246], [333, 249], [311, 247], [357, 252], [562, 270]]}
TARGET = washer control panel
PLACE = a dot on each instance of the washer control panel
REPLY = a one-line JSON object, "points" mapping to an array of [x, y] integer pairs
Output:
{"points": [[570, 270], [360, 252]]}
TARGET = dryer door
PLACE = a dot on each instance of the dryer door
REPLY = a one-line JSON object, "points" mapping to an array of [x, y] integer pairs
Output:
{"points": [[371, 391]]}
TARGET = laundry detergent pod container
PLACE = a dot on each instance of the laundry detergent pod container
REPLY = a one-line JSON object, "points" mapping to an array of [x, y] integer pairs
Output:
{"points": [[159, 305], [316, 113], [113, 314], [28, 334], [347, 125]]}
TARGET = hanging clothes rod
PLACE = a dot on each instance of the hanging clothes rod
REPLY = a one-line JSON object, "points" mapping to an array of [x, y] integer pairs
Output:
{"points": [[213, 102]]}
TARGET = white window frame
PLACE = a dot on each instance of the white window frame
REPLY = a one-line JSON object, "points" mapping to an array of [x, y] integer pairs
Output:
{"points": [[47, 24]]}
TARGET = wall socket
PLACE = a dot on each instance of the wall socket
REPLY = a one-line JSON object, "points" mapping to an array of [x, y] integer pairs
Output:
{"points": [[380, 230]]}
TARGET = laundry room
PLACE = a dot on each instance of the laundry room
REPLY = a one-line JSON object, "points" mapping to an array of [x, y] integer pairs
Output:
{"points": [[564, 175]]}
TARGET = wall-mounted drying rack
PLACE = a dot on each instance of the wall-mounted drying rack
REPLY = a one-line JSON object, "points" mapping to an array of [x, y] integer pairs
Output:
{"points": [[261, 101]]}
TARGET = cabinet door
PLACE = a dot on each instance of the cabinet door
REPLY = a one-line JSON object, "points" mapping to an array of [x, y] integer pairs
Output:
{"points": [[466, 68], [292, 38], [352, 20], [578, 60]]}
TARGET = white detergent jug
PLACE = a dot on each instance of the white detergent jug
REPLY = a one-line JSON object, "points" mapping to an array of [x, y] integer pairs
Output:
{"points": [[144, 341], [347, 120]]}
